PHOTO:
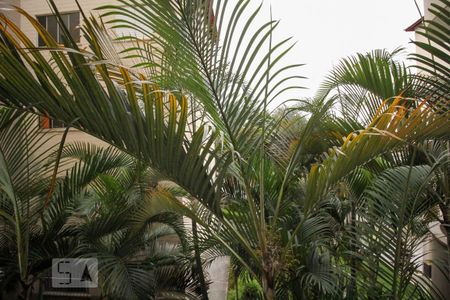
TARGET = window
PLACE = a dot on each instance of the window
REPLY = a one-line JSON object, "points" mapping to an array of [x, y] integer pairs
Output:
{"points": [[47, 123], [427, 269], [71, 20]]}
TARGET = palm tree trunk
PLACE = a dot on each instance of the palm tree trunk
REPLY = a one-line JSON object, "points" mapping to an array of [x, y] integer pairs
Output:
{"points": [[41, 290], [268, 286], [198, 262], [28, 289], [236, 285], [352, 292]]}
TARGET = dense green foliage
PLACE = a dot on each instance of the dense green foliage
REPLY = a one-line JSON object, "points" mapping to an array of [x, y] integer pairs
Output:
{"points": [[84, 201], [329, 198]]}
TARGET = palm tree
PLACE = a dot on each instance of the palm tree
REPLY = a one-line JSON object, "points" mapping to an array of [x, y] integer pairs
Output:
{"points": [[377, 76], [142, 249], [29, 209], [58, 203], [196, 110]]}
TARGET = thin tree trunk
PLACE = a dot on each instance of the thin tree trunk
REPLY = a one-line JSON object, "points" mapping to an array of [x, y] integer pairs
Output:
{"points": [[236, 285], [198, 262], [40, 290], [352, 291], [28, 289], [268, 287]]}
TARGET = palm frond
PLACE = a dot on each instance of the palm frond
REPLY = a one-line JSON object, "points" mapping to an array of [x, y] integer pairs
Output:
{"points": [[388, 232], [154, 121]]}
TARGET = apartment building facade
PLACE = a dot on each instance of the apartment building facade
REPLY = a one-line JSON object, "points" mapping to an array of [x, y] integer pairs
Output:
{"points": [[425, 15], [71, 15]]}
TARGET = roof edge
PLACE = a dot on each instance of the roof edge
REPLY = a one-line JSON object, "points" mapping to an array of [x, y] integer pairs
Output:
{"points": [[414, 26]]}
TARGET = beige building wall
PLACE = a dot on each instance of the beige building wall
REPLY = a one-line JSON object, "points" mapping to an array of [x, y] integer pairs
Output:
{"points": [[427, 16], [41, 7], [5, 6], [436, 254]]}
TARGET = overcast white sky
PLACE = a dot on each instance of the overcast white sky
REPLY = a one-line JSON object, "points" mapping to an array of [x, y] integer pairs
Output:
{"points": [[327, 30]]}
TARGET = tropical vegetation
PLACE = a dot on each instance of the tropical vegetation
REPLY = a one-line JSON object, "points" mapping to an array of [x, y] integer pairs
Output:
{"points": [[79, 200], [323, 198]]}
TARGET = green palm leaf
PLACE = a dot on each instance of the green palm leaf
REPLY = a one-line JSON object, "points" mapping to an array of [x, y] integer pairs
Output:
{"points": [[391, 233]]}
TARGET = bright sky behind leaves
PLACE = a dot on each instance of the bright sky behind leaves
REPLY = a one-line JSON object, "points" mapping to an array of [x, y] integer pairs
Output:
{"points": [[327, 30]]}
